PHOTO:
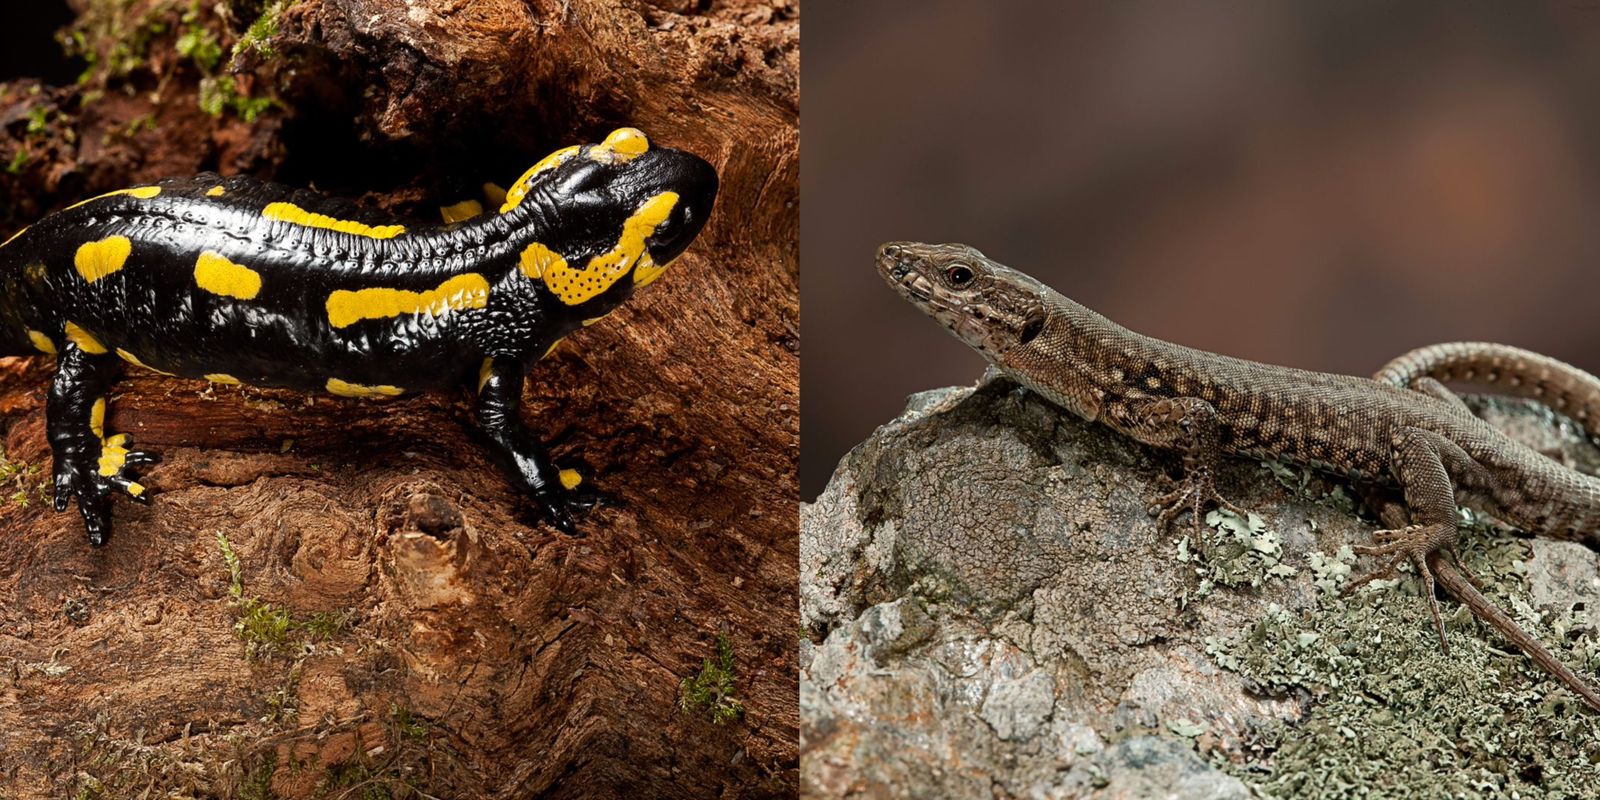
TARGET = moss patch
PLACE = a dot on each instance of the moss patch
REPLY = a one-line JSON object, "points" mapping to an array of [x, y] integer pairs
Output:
{"points": [[1394, 716], [711, 691]]}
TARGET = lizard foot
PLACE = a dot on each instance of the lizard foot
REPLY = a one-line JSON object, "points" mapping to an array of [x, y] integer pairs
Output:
{"points": [[93, 483], [1192, 494], [1412, 543]]}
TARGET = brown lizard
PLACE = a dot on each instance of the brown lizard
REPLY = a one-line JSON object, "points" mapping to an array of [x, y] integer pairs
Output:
{"points": [[1404, 430]]}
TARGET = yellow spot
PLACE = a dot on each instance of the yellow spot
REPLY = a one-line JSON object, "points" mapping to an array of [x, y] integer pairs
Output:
{"points": [[220, 276], [647, 271], [493, 194], [484, 372], [520, 189], [14, 236], [95, 260], [289, 212], [461, 292], [588, 322], [35, 272], [344, 389], [536, 258], [576, 286], [84, 340], [464, 210], [134, 360], [135, 488], [570, 479], [97, 418], [113, 456], [42, 342], [624, 144], [141, 192], [220, 377], [215, 191]]}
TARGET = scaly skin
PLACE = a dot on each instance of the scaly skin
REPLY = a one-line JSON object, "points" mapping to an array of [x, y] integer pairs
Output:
{"points": [[1205, 406]]}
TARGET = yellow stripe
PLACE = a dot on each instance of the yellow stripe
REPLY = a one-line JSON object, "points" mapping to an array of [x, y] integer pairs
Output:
{"points": [[289, 212], [134, 360], [42, 342], [484, 372], [459, 293], [345, 389], [84, 340], [220, 377], [519, 190], [462, 211], [14, 236], [647, 271], [141, 192], [574, 286], [536, 258], [95, 260], [219, 276], [624, 144], [97, 418]]}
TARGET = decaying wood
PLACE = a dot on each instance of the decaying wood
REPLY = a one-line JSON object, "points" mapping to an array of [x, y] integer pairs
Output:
{"points": [[474, 651]]}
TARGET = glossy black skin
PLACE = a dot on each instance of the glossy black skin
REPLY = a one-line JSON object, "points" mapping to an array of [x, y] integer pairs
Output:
{"points": [[153, 308]]}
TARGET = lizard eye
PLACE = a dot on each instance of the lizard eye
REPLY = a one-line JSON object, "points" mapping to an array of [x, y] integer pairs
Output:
{"points": [[959, 275]]}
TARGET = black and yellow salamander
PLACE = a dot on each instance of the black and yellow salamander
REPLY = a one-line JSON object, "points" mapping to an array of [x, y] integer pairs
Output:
{"points": [[236, 281]]}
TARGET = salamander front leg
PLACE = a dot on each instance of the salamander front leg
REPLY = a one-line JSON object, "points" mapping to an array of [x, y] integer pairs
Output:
{"points": [[89, 465], [521, 454]]}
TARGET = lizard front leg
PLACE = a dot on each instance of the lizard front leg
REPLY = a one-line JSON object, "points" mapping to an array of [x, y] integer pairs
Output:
{"points": [[1189, 425], [520, 453], [1428, 468], [88, 465]]}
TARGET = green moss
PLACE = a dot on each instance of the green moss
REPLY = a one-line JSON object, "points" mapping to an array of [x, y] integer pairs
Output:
{"points": [[257, 783], [267, 629], [407, 725], [21, 482], [1396, 717], [258, 37], [221, 93], [712, 689], [18, 161]]}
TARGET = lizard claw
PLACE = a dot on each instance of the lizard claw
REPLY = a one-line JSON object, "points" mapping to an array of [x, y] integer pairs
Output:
{"points": [[1412, 543], [1191, 494]]}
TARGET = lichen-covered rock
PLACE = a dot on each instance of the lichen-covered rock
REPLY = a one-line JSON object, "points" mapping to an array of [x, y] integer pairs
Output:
{"points": [[992, 613]]}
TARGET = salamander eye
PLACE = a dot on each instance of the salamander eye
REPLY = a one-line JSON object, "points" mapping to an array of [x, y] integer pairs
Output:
{"points": [[959, 275]]}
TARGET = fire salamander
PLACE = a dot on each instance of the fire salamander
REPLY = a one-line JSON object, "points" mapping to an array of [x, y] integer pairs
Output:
{"points": [[236, 281]]}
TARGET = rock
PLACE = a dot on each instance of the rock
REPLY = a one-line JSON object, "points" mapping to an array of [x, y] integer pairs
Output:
{"points": [[993, 613]]}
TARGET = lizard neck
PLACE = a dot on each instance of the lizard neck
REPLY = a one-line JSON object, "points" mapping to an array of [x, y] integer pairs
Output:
{"points": [[1080, 360]]}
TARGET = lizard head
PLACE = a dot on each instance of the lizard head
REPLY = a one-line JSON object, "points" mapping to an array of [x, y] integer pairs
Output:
{"points": [[993, 308], [607, 210]]}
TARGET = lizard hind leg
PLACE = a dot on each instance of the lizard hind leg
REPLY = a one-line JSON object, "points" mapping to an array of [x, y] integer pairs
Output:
{"points": [[1428, 467]]}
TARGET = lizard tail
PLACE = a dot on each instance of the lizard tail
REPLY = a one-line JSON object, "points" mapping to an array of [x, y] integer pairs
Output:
{"points": [[1458, 586], [1512, 370]]}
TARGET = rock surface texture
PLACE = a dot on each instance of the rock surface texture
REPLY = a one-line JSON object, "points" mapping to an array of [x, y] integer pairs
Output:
{"points": [[991, 612], [382, 615]]}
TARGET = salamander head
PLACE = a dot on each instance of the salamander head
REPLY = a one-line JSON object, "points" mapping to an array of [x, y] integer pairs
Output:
{"points": [[606, 211], [993, 308]]}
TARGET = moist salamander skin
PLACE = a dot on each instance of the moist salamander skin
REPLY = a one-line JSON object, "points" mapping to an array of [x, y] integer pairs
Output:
{"points": [[236, 281]]}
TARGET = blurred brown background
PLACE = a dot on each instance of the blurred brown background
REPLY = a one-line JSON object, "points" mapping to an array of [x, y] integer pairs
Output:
{"points": [[1308, 183]]}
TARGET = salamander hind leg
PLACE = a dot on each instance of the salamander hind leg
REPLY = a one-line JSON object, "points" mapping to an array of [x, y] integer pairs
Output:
{"points": [[89, 466], [559, 493]]}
